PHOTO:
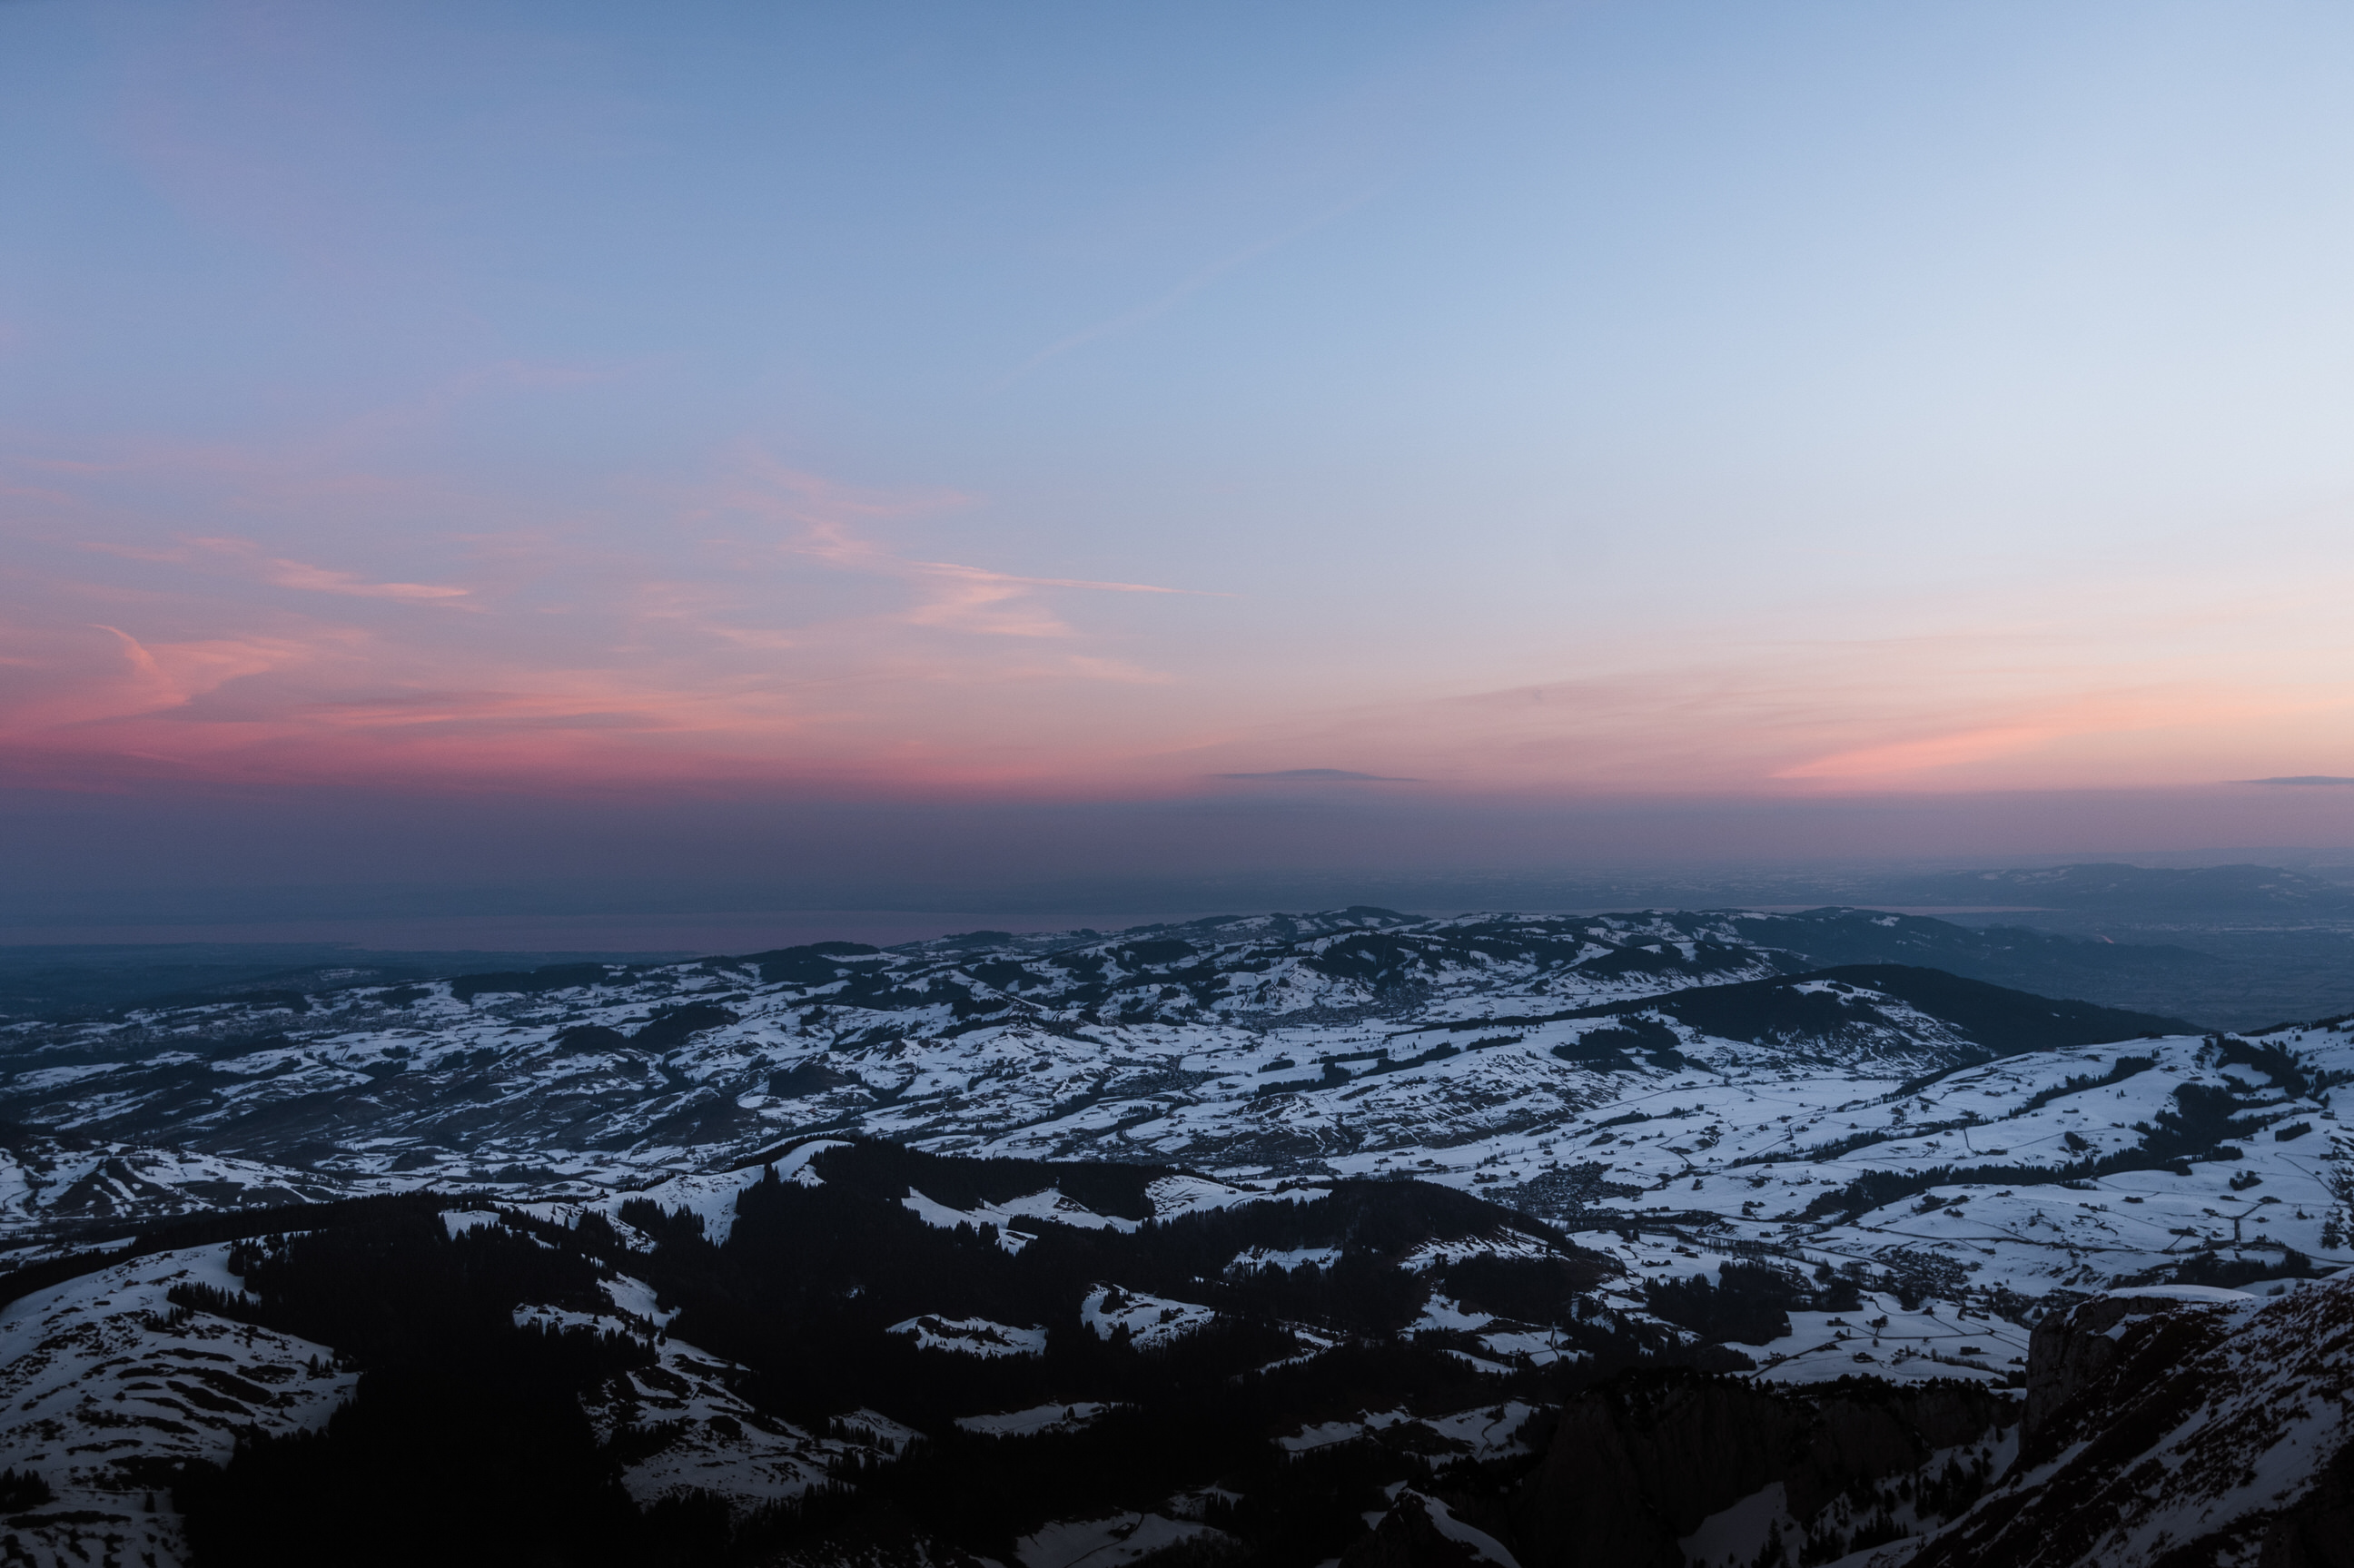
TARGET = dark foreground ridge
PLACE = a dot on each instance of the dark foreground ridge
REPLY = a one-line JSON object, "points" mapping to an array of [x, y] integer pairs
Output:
{"points": [[844, 1366]]}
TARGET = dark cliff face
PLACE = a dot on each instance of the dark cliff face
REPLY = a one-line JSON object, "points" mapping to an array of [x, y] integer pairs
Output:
{"points": [[1636, 1466], [2316, 1532], [2075, 1355], [1639, 1465], [2156, 1432], [2166, 1433]]}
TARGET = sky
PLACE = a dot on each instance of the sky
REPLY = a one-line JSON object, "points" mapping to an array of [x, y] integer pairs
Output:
{"points": [[829, 448]]}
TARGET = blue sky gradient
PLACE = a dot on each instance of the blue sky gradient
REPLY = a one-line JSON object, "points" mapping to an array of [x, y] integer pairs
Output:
{"points": [[1549, 408]]}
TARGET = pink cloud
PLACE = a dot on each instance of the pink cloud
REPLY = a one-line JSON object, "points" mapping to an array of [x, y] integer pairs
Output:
{"points": [[1913, 756], [172, 675], [769, 629], [635, 684], [959, 598], [827, 517], [278, 571], [321, 579], [284, 573]]}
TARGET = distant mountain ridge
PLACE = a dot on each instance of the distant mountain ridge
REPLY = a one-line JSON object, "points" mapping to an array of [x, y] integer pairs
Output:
{"points": [[2202, 893], [1664, 1064], [92, 980], [2201, 973], [619, 1068]]}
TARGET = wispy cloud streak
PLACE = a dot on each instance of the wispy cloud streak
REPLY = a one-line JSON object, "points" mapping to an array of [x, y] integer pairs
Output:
{"points": [[1185, 289]]}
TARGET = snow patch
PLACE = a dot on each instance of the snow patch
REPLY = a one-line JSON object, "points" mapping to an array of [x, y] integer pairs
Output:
{"points": [[1037, 1419], [1485, 1548], [971, 1336], [1285, 1259], [1104, 1543], [1149, 1319]]}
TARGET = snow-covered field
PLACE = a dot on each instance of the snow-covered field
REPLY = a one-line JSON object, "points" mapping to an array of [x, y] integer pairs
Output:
{"points": [[105, 1386], [1512, 1056]]}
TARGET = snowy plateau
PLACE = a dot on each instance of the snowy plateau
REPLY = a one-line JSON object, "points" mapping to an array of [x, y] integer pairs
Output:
{"points": [[1614, 1177]]}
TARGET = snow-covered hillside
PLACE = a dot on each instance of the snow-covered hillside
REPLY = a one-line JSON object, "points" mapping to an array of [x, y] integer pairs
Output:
{"points": [[1649, 1081], [2177, 1427], [107, 1387], [1064, 1361]]}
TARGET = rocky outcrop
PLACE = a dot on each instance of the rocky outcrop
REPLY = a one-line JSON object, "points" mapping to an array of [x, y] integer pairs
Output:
{"points": [[2072, 1354], [2167, 1430], [2164, 1433], [1639, 1465], [1422, 1531]]}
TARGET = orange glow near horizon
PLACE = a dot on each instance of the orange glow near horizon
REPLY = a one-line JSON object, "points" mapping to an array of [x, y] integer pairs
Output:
{"points": [[763, 634]]}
